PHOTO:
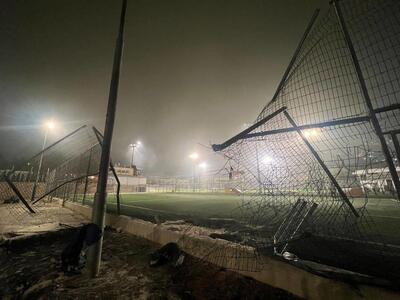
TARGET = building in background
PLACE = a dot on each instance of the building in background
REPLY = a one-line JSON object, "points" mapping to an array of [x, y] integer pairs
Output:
{"points": [[131, 179]]}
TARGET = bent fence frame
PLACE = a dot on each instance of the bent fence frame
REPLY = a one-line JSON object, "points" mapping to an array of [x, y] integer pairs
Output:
{"points": [[370, 118], [99, 138]]}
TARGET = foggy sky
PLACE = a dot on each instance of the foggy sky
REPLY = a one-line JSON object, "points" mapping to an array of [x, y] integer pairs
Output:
{"points": [[193, 71]]}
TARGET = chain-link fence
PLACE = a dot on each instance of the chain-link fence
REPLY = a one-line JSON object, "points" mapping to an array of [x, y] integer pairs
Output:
{"points": [[320, 163], [210, 182], [314, 177], [65, 170]]}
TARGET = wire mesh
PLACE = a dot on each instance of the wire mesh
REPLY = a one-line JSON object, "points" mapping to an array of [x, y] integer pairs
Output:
{"points": [[204, 182], [332, 156], [320, 189], [66, 170]]}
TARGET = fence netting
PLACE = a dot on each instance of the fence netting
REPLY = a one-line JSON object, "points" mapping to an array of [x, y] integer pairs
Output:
{"points": [[312, 180], [315, 179], [64, 170]]}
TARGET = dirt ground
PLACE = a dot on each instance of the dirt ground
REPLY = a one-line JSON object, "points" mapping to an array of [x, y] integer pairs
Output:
{"points": [[30, 269], [49, 216]]}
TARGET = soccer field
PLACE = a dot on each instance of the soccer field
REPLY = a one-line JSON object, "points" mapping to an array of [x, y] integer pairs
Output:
{"points": [[194, 204], [385, 213], [223, 205]]}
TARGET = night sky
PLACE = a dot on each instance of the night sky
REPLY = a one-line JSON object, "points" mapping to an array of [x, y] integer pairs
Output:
{"points": [[193, 72]]}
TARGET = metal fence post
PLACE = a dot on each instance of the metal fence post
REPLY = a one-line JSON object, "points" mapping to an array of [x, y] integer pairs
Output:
{"points": [[322, 164], [367, 99], [396, 146], [87, 176]]}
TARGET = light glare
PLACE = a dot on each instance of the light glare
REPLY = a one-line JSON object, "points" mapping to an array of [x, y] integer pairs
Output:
{"points": [[50, 124], [267, 160], [311, 133], [194, 156]]}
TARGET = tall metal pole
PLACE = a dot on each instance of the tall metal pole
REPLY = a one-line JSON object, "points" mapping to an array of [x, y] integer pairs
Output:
{"points": [[367, 99], [40, 165], [99, 205], [133, 155]]}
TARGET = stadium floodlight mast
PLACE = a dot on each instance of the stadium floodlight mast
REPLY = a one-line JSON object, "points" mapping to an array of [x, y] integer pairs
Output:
{"points": [[133, 147], [194, 157], [48, 125]]}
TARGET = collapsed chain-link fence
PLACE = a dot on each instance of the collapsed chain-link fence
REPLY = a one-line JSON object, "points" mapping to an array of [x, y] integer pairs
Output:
{"points": [[323, 154], [315, 176], [66, 170]]}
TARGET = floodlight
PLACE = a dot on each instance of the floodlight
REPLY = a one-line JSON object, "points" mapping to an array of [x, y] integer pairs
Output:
{"points": [[50, 124], [203, 165], [136, 144], [267, 159], [194, 156]]}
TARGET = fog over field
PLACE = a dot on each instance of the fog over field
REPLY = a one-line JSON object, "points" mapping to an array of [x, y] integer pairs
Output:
{"points": [[193, 72]]}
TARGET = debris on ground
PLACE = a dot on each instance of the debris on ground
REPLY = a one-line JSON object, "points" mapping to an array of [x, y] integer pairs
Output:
{"points": [[31, 268], [169, 253]]}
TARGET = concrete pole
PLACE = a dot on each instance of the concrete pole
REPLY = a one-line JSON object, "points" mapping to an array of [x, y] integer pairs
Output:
{"points": [[99, 205]]}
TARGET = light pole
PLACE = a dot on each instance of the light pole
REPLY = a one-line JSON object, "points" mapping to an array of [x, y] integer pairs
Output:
{"points": [[202, 166], [194, 157], [48, 125], [99, 204], [133, 147]]}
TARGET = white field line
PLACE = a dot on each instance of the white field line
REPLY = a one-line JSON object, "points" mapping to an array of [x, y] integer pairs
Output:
{"points": [[145, 208], [380, 216]]}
